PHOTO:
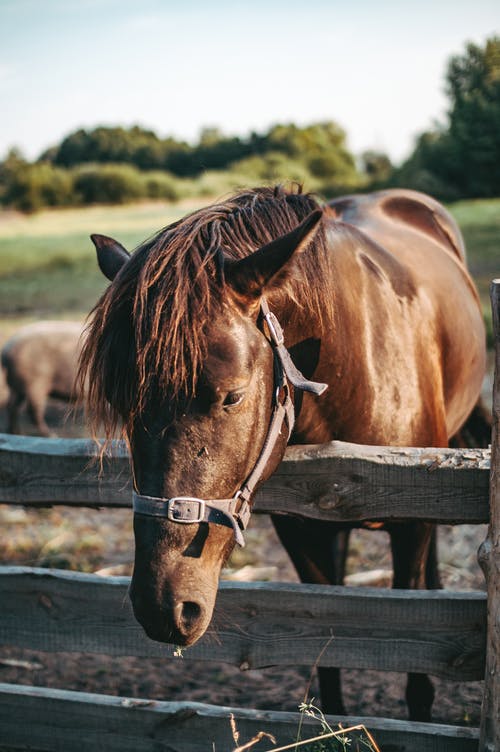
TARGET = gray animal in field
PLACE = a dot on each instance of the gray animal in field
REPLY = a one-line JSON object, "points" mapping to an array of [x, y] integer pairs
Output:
{"points": [[40, 361]]}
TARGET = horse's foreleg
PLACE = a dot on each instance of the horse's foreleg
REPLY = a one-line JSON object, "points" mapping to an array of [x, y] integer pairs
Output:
{"points": [[414, 558], [37, 402], [432, 578], [13, 406], [318, 552]]}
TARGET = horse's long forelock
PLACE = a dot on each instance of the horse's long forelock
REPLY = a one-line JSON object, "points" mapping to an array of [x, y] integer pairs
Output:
{"points": [[147, 336]]}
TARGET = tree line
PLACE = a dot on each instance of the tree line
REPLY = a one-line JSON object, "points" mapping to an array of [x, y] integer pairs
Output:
{"points": [[461, 157], [458, 159], [122, 164]]}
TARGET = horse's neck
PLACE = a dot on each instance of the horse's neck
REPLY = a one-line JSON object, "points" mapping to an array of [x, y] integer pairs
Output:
{"points": [[334, 343], [331, 350]]}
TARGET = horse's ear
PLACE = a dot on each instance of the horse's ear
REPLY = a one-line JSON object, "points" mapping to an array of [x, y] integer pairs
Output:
{"points": [[111, 255], [268, 267]]}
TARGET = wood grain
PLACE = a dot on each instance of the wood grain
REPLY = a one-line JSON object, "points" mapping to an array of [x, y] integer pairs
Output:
{"points": [[62, 720], [489, 558], [256, 624], [335, 481]]}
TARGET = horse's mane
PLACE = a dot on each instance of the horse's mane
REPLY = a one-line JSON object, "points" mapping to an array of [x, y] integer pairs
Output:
{"points": [[146, 339]]}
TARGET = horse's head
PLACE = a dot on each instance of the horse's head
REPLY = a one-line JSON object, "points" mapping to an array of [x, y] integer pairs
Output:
{"points": [[206, 421]]}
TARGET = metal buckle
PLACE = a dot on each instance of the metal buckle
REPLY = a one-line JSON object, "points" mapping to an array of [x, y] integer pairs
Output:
{"points": [[186, 509], [274, 327], [243, 516]]}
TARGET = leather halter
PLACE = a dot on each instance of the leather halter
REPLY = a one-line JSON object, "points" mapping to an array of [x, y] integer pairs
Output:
{"points": [[235, 512]]}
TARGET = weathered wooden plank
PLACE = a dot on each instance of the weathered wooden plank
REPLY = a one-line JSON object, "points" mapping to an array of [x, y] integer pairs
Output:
{"points": [[340, 481], [38, 471], [257, 624], [58, 720], [489, 557], [335, 481]]}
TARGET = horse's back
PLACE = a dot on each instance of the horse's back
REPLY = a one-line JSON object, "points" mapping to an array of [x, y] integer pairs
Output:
{"points": [[417, 287], [417, 235], [44, 350], [401, 210], [51, 332]]}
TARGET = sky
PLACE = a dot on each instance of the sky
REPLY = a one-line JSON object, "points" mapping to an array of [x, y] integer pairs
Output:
{"points": [[376, 67]]}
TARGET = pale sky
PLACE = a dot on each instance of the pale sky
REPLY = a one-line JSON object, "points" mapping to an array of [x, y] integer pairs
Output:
{"points": [[377, 67]]}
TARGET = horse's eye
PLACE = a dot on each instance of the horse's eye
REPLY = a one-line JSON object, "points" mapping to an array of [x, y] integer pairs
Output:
{"points": [[233, 398]]}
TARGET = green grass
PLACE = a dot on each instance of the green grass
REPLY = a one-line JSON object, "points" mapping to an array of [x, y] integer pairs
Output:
{"points": [[480, 224], [48, 266], [47, 261], [479, 221]]}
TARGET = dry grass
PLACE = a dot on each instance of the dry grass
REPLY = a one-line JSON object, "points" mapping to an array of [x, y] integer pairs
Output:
{"points": [[344, 739]]}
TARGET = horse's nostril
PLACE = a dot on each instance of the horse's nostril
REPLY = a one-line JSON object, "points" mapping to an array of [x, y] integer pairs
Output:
{"points": [[190, 612]]}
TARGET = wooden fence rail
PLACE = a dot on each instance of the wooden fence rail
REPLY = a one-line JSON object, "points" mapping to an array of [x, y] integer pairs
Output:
{"points": [[257, 624], [452, 635], [254, 625], [67, 721], [335, 481]]}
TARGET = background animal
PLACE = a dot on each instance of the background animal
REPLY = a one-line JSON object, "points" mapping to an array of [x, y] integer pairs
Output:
{"points": [[375, 300], [40, 361]]}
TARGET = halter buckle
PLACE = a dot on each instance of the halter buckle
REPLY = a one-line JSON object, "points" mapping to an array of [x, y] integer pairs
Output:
{"points": [[186, 509], [243, 516]]}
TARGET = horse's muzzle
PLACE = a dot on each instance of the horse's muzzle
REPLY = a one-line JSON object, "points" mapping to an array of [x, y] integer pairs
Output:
{"points": [[173, 620]]}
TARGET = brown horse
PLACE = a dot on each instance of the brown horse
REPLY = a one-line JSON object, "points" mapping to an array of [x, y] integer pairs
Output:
{"points": [[40, 361], [186, 348]]}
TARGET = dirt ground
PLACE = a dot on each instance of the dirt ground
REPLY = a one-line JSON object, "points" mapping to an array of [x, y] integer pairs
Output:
{"points": [[102, 541]]}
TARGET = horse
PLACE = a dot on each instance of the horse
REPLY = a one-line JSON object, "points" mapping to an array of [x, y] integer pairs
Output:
{"points": [[40, 361], [264, 319]]}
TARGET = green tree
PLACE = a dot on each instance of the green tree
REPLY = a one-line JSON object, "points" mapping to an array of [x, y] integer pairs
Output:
{"points": [[377, 167], [135, 145], [30, 187], [474, 131], [321, 146], [462, 158], [113, 184]]}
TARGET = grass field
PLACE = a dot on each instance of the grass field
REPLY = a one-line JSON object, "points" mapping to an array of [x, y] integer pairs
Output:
{"points": [[48, 267], [47, 261], [480, 224]]}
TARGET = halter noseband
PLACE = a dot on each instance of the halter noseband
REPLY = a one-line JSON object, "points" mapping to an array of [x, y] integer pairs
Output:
{"points": [[235, 512]]}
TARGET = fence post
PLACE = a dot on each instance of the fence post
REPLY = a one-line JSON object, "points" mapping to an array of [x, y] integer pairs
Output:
{"points": [[489, 557]]}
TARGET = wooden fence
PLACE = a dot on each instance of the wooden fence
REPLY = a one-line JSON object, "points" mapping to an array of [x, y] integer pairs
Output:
{"points": [[455, 635]]}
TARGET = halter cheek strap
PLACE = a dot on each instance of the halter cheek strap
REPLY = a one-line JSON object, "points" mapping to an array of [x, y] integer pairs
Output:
{"points": [[294, 376], [235, 512], [188, 510]]}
